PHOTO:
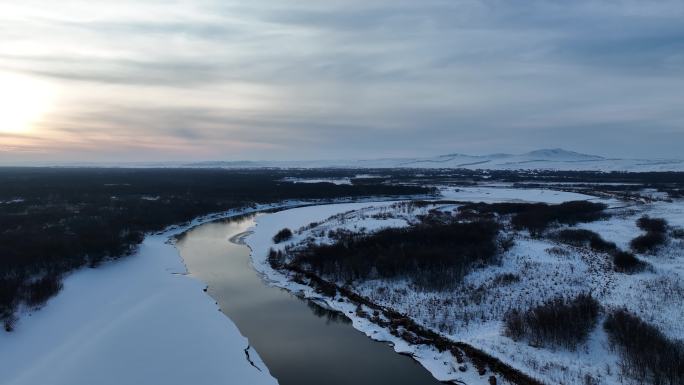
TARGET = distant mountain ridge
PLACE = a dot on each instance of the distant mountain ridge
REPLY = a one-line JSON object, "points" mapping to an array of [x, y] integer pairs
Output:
{"points": [[546, 153], [542, 159], [543, 155], [562, 154]]}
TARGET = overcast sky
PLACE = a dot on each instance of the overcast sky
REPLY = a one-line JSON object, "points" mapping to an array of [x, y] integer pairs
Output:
{"points": [[150, 80]]}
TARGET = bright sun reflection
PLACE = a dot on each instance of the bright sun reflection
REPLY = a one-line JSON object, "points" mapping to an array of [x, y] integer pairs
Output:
{"points": [[22, 101]]}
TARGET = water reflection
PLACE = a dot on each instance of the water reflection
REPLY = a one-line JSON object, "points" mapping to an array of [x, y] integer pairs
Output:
{"points": [[330, 316], [300, 342]]}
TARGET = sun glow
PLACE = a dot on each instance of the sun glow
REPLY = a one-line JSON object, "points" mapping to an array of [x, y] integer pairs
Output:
{"points": [[23, 100]]}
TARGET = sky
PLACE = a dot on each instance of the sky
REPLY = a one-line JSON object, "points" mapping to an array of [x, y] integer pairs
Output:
{"points": [[150, 80]]}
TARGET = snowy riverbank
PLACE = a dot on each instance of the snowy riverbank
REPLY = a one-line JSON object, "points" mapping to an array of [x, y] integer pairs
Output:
{"points": [[439, 364], [370, 216], [541, 267], [138, 320]]}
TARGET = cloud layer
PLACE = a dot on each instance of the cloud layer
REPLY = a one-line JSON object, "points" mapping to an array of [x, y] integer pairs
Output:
{"points": [[210, 79]]}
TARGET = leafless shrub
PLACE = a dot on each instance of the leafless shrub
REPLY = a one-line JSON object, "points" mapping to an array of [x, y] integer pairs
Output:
{"points": [[506, 279], [647, 354], [557, 322]]}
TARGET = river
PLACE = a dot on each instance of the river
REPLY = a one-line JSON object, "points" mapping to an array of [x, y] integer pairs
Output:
{"points": [[301, 343]]}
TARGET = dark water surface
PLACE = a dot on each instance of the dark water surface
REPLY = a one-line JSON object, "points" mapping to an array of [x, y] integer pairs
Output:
{"points": [[301, 344]]}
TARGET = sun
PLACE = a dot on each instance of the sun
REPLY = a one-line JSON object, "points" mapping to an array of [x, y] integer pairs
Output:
{"points": [[23, 100]]}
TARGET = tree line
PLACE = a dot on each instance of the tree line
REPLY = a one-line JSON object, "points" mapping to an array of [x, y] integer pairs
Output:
{"points": [[434, 255], [537, 217]]}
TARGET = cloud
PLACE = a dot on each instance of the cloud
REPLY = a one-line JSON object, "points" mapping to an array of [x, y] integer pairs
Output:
{"points": [[331, 78]]}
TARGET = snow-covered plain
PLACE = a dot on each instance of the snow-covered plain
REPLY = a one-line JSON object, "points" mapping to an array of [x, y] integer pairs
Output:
{"points": [[337, 181], [472, 312], [441, 365], [139, 320], [489, 194]]}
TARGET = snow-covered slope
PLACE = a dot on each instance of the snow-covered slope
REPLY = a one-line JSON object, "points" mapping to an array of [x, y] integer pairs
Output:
{"points": [[546, 159], [539, 268], [138, 320]]}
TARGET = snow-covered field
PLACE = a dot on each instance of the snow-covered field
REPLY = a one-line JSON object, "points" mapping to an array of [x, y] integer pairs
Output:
{"points": [[441, 365], [337, 181], [139, 320], [472, 312], [489, 194]]}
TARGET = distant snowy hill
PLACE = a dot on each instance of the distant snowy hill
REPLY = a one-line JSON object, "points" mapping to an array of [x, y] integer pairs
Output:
{"points": [[544, 159]]}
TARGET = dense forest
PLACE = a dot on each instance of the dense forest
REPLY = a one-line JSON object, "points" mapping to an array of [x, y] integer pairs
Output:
{"points": [[438, 252], [433, 254], [55, 220], [537, 217], [619, 179]]}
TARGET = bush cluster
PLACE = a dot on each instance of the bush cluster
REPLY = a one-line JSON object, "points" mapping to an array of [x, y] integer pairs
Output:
{"points": [[647, 354], [558, 322], [623, 261], [656, 234], [626, 262], [582, 237], [647, 242], [655, 225], [282, 235]]}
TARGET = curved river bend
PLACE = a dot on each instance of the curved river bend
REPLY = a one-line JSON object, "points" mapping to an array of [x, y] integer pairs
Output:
{"points": [[300, 343]]}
